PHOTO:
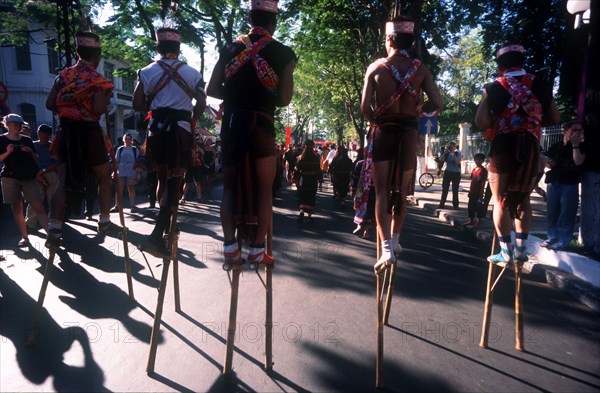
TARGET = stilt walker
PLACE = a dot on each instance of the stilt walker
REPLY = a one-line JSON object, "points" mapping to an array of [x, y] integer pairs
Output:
{"points": [[253, 75], [513, 109], [78, 144], [166, 90]]}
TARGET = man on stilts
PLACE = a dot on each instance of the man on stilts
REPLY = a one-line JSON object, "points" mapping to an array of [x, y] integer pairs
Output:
{"points": [[80, 95], [513, 109], [166, 90], [391, 102], [253, 75]]}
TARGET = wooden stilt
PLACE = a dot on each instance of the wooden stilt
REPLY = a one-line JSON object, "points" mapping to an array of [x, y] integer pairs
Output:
{"points": [[487, 311], [119, 201], [32, 336], [390, 294], [379, 356], [519, 345], [171, 245], [157, 317], [269, 302], [235, 282], [492, 281]]}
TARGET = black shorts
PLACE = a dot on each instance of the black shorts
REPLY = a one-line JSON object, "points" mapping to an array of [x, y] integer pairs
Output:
{"points": [[246, 131], [512, 151], [396, 137], [193, 174], [80, 145], [169, 140]]}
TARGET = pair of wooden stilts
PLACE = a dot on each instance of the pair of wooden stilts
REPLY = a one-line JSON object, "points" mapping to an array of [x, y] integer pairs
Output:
{"points": [[267, 282], [234, 277], [384, 276], [32, 336]]}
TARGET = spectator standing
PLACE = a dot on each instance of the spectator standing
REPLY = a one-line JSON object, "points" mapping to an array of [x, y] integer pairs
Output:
{"points": [[129, 175], [20, 175], [565, 159], [49, 177], [476, 203], [308, 174], [341, 169], [452, 158]]}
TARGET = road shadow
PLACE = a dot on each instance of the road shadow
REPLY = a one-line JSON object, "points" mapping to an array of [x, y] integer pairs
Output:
{"points": [[46, 359]]}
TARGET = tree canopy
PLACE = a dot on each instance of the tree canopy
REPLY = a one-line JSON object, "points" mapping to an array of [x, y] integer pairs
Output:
{"points": [[336, 40]]}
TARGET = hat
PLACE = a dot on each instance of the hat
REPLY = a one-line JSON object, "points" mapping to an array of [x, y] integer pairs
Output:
{"points": [[44, 128], [402, 27], [168, 34], [13, 118], [264, 5], [510, 48], [87, 41]]}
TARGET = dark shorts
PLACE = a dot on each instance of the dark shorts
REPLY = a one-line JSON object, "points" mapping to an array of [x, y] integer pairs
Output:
{"points": [[80, 145], [396, 137], [246, 131], [169, 140], [512, 151], [193, 174]]}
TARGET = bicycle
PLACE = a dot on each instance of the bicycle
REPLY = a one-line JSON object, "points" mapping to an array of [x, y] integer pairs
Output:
{"points": [[427, 179]]}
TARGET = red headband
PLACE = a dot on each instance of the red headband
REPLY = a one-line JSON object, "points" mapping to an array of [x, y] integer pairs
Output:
{"points": [[264, 5], [510, 48]]}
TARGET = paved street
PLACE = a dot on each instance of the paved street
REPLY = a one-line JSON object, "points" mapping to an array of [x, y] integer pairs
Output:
{"points": [[93, 338]]}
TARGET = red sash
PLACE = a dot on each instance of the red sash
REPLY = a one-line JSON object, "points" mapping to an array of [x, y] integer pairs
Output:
{"points": [[404, 86], [521, 97]]}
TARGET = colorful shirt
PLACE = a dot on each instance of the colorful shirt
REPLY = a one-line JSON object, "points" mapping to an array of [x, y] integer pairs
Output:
{"points": [[78, 85]]}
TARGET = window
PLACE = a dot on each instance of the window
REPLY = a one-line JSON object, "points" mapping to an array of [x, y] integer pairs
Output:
{"points": [[109, 70], [128, 83], [27, 112], [53, 62], [23, 56]]}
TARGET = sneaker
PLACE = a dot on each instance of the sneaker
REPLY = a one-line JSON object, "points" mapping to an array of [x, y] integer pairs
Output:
{"points": [[108, 226], [548, 243], [232, 258], [157, 247], [134, 209], [24, 242], [53, 239], [384, 262], [520, 254], [114, 209], [440, 206], [259, 260], [499, 260]]}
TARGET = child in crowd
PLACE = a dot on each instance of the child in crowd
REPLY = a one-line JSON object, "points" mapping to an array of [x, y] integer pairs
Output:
{"points": [[476, 191]]}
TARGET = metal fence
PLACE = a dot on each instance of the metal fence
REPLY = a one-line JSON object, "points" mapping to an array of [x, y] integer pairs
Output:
{"points": [[476, 143]]}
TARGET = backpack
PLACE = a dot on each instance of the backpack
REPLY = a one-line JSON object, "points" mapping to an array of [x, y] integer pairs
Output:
{"points": [[120, 151]]}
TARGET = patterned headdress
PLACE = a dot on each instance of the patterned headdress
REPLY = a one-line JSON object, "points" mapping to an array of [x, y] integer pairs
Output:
{"points": [[510, 48], [168, 34], [83, 41], [403, 27], [264, 5]]}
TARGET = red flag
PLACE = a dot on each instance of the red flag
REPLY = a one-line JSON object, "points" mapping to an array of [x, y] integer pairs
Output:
{"points": [[288, 136]]}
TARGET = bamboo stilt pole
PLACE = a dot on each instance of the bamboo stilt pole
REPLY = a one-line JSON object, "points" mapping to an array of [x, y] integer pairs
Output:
{"points": [[32, 336]]}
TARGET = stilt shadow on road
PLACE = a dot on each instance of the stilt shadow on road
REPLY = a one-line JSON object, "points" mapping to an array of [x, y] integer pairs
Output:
{"points": [[46, 359]]}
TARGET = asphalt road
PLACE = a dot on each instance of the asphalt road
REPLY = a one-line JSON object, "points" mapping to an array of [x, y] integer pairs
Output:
{"points": [[92, 338]]}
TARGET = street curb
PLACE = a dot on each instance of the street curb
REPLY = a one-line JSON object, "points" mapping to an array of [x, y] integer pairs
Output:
{"points": [[579, 289]]}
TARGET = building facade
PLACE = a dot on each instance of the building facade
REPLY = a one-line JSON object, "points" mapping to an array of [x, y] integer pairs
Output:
{"points": [[28, 72]]}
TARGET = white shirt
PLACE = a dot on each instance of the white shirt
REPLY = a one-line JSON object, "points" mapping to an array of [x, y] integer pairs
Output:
{"points": [[170, 96]]}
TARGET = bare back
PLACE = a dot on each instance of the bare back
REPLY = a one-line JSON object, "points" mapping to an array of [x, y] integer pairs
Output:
{"points": [[380, 85]]}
